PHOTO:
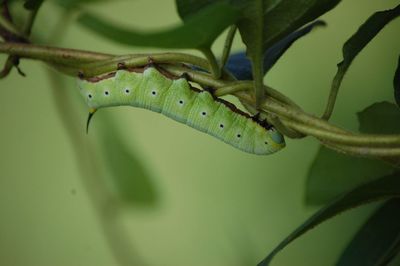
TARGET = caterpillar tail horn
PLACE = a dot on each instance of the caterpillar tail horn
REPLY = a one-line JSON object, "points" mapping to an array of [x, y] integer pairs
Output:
{"points": [[91, 113]]}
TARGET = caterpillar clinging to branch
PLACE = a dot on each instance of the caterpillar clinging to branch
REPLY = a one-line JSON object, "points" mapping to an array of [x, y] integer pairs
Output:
{"points": [[176, 99]]}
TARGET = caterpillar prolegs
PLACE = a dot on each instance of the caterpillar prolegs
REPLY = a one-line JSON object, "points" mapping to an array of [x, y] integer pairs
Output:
{"points": [[176, 99]]}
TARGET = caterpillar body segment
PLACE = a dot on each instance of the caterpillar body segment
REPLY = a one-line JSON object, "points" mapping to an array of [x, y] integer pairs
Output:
{"points": [[177, 100]]}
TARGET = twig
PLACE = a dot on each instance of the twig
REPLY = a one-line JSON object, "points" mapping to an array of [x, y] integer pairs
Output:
{"points": [[69, 60], [366, 140], [364, 151], [97, 68], [51, 54]]}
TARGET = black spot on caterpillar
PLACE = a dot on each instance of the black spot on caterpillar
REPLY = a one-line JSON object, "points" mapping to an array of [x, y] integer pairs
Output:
{"points": [[176, 99]]}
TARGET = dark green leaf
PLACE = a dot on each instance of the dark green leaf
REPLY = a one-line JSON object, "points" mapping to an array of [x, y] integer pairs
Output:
{"points": [[239, 65], [198, 31], [396, 83], [289, 15], [272, 55], [393, 256], [360, 39], [187, 8], [33, 4], [383, 188], [395, 261], [279, 17], [374, 242], [263, 23], [127, 175], [380, 118], [333, 173]]}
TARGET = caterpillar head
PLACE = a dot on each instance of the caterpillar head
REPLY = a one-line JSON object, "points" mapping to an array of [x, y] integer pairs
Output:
{"points": [[270, 141]]}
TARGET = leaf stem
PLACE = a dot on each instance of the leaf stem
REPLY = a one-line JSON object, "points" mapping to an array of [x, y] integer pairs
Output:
{"points": [[51, 54], [212, 60], [317, 127], [8, 66], [258, 75], [232, 88], [332, 96], [228, 45], [26, 31], [248, 85], [9, 26], [364, 151], [196, 76], [97, 68], [366, 140]]}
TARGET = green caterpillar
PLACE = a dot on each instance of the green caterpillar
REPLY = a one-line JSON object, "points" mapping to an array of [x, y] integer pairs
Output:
{"points": [[176, 99]]}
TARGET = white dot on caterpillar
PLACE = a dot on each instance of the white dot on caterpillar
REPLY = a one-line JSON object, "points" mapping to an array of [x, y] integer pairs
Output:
{"points": [[154, 93], [106, 93], [203, 113], [181, 102], [127, 91]]}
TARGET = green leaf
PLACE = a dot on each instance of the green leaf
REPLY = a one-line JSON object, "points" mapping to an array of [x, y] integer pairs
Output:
{"points": [[187, 8], [360, 39], [126, 174], [198, 31], [396, 83], [288, 16], [383, 188], [375, 243], [333, 173], [380, 118], [279, 17], [263, 23], [33, 4]]}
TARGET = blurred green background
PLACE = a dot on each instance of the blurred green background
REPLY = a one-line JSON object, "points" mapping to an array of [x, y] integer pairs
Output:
{"points": [[208, 203]]}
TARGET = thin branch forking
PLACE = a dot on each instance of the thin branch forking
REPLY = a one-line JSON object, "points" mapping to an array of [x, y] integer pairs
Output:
{"points": [[71, 61]]}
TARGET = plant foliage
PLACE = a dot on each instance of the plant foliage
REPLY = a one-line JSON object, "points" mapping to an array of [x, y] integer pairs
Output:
{"points": [[268, 28]]}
